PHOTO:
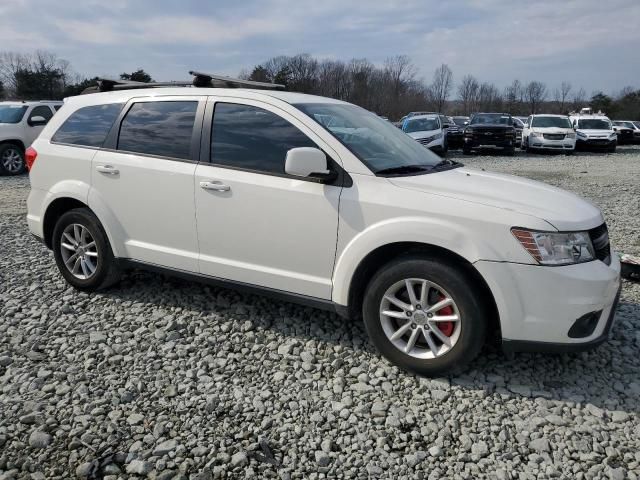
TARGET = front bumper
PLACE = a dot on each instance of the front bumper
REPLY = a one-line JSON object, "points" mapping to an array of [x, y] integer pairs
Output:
{"points": [[566, 144], [595, 143], [489, 143], [539, 304]]}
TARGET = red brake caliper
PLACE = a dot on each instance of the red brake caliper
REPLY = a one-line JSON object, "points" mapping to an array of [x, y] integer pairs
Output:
{"points": [[445, 327]]}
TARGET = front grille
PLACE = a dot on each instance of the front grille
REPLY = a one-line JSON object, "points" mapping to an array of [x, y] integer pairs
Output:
{"points": [[600, 239], [554, 136], [427, 140]]}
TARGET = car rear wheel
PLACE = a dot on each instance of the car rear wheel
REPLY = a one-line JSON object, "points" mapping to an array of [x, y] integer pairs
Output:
{"points": [[424, 315], [11, 159], [82, 251]]}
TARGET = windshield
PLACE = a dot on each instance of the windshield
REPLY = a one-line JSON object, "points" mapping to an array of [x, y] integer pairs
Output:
{"points": [[491, 119], [420, 125], [547, 122], [594, 124], [12, 113], [625, 124], [377, 143], [460, 121], [637, 124]]}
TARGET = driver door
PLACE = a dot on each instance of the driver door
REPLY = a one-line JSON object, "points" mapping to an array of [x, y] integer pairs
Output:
{"points": [[256, 224]]}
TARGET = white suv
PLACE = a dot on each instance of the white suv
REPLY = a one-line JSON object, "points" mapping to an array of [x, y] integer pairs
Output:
{"points": [[20, 124], [321, 202], [594, 131], [549, 132], [428, 131]]}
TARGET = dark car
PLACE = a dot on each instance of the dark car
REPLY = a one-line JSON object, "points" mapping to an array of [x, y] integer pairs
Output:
{"points": [[455, 134], [493, 131], [627, 132]]}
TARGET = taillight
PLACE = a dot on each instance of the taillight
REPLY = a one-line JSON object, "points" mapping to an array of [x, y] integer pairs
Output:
{"points": [[30, 157]]}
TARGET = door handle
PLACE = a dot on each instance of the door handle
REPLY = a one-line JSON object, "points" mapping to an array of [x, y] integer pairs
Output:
{"points": [[215, 185], [108, 169]]}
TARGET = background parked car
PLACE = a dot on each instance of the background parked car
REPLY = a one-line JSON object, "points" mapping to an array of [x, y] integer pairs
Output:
{"points": [[455, 133], [427, 130], [490, 131], [549, 132], [461, 120], [20, 124], [594, 131], [519, 126], [628, 132]]}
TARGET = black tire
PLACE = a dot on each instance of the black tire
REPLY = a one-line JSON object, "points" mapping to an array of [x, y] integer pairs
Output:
{"points": [[16, 152], [612, 149], [457, 282], [107, 272], [466, 150], [510, 152], [569, 152]]}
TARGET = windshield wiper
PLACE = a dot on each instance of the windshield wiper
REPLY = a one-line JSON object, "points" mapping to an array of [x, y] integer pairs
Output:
{"points": [[446, 163], [399, 170]]}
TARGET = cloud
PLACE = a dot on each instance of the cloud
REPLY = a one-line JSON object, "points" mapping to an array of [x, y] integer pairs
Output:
{"points": [[583, 41]]}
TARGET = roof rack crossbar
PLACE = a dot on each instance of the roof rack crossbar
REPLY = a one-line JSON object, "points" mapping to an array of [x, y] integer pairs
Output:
{"points": [[202, 79]]}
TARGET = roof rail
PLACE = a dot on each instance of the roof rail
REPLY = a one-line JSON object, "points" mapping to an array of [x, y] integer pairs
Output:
{"points": [[199, 80]]}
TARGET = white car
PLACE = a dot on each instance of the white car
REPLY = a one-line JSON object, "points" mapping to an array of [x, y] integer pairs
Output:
{"points": [[256, 190], [20, 124], [549, 132], [594, 131], [428, 131]]}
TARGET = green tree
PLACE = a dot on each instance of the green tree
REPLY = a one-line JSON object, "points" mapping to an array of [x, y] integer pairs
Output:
{"points": [[602, 102], [259, 74], [79, 87], [138, 76]]}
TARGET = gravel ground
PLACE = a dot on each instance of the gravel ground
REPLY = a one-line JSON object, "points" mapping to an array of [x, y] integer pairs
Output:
{"points": [[164, 379]]}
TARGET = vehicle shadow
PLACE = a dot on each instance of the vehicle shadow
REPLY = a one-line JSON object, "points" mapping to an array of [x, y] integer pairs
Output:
{"points": [[596, 377]]}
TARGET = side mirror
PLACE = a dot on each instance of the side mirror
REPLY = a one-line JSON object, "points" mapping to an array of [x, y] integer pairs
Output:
{"points": [[446, 125], [37, 121], [615, 129], [466, 122], [308, 162]]}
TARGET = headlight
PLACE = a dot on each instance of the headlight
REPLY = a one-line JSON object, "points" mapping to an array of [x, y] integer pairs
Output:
{"points": [[468, 131], [571, 135], [536, 135], [581, 135], [437, 135], [613, 135], [550, 248]]}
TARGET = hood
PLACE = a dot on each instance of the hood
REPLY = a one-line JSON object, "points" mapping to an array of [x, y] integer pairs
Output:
{"points": [[487, 126], [552, 130], [563, 210], [424, 133]]}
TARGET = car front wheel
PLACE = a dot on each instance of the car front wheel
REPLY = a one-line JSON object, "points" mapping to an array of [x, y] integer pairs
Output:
{"points": [[82, 251], [424, 315]]}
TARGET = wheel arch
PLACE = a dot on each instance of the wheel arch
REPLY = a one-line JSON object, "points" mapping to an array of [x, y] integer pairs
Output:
{"points": [[384, 254], [14, 141], [54, 211]]}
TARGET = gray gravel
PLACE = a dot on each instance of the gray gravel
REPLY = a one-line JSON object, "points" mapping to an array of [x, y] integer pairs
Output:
{"points": [[164, 379]]}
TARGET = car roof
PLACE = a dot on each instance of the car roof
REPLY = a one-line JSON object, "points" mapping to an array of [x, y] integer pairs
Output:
{"points": [[32, 102], [124, 95], [549, 115], [425, 115]]}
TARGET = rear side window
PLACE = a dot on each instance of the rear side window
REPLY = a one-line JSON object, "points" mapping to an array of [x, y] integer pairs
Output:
{"points": [[159, 128], [252, 138], [44, 112], [88, 126]]}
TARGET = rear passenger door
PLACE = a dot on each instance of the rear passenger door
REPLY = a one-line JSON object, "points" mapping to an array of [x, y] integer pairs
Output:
{"points": [[143, 178], [256, 224]]}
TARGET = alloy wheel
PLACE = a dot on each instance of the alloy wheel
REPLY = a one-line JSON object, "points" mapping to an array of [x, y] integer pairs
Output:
{"points": [[420, 318], [79, 251], [12, 160]]}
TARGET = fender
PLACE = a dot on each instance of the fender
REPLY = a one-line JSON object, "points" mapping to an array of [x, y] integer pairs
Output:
{"points": [[429, 231], [115, 232]]}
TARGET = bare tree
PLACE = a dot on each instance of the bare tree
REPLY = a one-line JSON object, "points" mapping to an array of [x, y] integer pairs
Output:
{"points": [[441, 86], [579, 99], [513, 97], [535, 93], [489, 98], [561, 96], [468, 93]]}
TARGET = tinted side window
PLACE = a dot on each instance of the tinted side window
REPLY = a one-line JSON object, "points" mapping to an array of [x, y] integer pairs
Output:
{"points": [[44, 112], [88, 126], [159, 128], [253, 138]]}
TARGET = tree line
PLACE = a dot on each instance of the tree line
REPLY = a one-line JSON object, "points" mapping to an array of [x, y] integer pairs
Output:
{"points": [[391, 89]]}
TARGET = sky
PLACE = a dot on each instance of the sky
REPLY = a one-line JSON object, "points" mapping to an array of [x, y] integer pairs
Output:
{"points": [[593, 44]]}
